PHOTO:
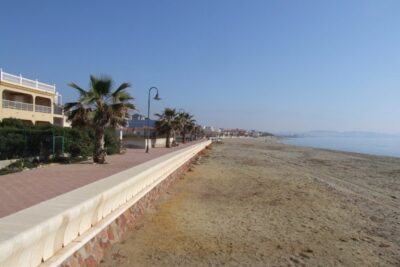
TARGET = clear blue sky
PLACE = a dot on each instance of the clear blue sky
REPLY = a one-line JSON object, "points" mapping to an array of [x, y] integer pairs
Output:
{"points": [[268, 65]]}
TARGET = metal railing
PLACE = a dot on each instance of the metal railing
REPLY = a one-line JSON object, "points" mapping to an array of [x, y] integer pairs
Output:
{"points": [[19, 80], [25, 106], [17, 105], [43, 109], [58, 110]]}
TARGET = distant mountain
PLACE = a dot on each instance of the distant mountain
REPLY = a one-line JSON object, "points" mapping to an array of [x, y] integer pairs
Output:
{"points": [[286, 134], [322, 133], [348, 134], [266, 134]]}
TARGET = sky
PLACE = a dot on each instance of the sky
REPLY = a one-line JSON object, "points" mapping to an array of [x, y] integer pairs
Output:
{"points": [[278, 66]]}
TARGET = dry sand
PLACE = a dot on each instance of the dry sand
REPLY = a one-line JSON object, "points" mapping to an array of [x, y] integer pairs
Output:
{"points": [[255, 202]]}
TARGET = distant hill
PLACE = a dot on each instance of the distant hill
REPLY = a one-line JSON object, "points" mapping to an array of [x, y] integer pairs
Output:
{"points": [[322, 133]]}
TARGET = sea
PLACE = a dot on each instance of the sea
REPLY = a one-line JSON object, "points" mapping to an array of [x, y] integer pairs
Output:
{"points": [[375, 145]]}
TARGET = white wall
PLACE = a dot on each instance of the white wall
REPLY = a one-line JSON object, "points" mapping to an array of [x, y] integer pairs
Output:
{"points": [[141, 143], [160, 142]]}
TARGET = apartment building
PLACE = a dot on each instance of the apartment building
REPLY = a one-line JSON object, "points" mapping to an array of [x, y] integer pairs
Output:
{"points": [[32, 101]]}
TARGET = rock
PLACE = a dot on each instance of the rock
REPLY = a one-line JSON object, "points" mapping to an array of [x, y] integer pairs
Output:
{"points": [[309, 250], [304, 255]]}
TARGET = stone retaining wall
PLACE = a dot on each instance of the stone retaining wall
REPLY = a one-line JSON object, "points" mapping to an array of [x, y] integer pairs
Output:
{"points": [[92, 253]]}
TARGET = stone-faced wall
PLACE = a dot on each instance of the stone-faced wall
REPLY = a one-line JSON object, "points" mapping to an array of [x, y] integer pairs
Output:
{"points": [[92, 252]]}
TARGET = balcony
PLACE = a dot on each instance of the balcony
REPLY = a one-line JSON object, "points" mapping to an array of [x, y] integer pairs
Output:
{"points": [[42, 109], [58, 109], [18, 105], [25, 106], [19, 80], [42, 104]]}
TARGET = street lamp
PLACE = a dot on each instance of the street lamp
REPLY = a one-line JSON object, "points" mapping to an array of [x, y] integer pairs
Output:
{"points": [[157, 97]]}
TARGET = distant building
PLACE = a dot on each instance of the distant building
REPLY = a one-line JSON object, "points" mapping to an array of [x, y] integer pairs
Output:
{"points": [[255, 133], [235, 133], [138, 117], [34, 102], [138, 125], [210, 131]]}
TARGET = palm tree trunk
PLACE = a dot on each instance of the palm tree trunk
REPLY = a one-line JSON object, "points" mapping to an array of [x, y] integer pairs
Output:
{"points": [[99, 154], [167, 142], [184, 136]]}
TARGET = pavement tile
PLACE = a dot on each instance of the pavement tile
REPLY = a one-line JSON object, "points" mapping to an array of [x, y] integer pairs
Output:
{"points": [[24, 189]]}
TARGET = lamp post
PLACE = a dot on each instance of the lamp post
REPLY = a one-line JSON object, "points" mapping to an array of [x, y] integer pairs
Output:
{"points": [[157, 97]]}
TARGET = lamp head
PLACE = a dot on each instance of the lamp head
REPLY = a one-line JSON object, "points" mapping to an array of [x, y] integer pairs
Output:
{"points": [[157, 97]]}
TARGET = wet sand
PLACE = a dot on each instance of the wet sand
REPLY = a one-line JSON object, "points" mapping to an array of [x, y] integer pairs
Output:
{"points": [[252, 202]]}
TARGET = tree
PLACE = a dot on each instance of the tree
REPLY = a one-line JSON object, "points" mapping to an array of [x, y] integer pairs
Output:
{"points": [[197, 131], [98, 108], [185, 124], [166, 124]]}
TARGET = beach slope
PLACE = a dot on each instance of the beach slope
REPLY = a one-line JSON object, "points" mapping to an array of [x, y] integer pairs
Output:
{"points": [[256, 202]]}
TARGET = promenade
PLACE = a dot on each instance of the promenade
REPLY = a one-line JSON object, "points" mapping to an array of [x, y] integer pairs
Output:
{"points": [[21, 190]]}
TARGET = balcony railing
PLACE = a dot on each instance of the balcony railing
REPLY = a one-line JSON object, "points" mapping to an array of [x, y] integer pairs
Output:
{"points": [[17, 105], [19, 80], [43, 109], [58, 109], [25, 106]]}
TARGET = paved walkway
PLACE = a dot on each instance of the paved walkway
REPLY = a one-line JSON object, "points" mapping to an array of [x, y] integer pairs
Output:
{"points": [[24, 189]]}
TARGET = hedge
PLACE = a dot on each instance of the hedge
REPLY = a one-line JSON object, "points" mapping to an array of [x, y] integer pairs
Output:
{"points": [[18, 140]]}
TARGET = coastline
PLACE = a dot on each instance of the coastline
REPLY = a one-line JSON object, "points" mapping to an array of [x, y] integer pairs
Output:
{"points": [[374, 146], [257, 202]]}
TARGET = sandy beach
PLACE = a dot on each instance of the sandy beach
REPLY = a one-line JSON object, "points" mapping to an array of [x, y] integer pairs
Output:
{"points": [[256, 202]]}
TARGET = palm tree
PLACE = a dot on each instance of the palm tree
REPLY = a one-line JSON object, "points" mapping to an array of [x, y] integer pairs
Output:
{"points": [[166, 124], [98, 108], [197, 131], [185, 123]]}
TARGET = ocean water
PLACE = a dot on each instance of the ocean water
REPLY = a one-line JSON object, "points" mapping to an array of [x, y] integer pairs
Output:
{"points": [[382, 145]]}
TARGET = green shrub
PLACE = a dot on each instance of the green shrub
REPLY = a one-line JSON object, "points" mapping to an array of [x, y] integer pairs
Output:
{"points": [[12, 143], [78, 142], [112, 143], [19, 140], [40, 143], [13, 123]]}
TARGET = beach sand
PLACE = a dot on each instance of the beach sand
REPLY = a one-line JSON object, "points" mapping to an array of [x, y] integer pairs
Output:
{"points": [[256, 202]]}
